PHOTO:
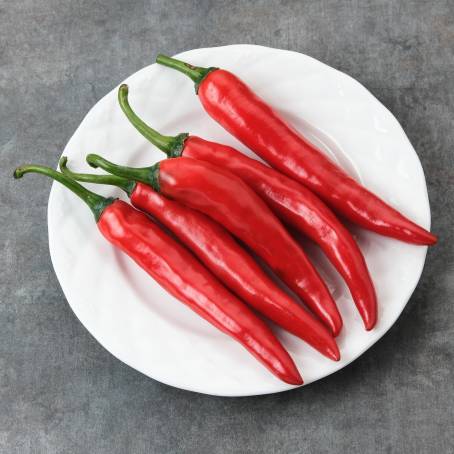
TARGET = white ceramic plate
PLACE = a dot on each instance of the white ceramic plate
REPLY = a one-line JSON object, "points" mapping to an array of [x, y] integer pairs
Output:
{"points": [[137, 321]]}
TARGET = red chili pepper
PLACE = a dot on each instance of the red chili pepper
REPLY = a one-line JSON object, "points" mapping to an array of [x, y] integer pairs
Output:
{"points": [[224, 257], [229, 201], [289, 200], [176, 270], [247, 117]]}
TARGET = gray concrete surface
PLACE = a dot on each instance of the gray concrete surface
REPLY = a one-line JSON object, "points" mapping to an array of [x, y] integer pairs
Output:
{"points": [[61, 392]]}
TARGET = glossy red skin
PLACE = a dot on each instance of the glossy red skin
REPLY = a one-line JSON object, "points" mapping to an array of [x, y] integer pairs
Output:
{"points": [[228, 200], [179, 272], [299, 207], [233, 266], [247, 117]]}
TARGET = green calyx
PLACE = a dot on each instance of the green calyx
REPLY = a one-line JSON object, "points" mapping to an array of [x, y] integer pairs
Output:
{"points": [[172, 146], [147, 175], [154, 177], [96, 202], [127, 185], [177, 147], [196, 73]]}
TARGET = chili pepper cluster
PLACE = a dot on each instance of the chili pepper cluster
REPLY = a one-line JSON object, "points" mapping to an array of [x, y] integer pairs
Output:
{"points": [[210, 196]]}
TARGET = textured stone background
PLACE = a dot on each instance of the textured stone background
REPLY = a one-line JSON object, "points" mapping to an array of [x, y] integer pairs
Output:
{"points": [[61, 392]]}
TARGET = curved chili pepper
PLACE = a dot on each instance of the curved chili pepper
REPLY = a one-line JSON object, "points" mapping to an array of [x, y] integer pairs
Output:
{"points": [[229, 201], [224, 257], [288, 199], [240, 111], [177, 271]]}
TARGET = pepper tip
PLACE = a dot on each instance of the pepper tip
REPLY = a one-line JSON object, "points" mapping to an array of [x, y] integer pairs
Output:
{"points": [[334, 353], [369, 324], [336, 326], [433, 239], [297, 381]]}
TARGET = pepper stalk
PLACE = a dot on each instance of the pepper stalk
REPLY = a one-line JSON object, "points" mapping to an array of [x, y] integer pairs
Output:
{"points": [[111, 180], [147, 175], [96, 202], [172, 146], [195, 73]]}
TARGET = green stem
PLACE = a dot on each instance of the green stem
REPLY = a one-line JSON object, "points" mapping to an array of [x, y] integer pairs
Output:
{"points": [[172, 146], [147, 175], [96, 202], [113, 180], [195, 73]]}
